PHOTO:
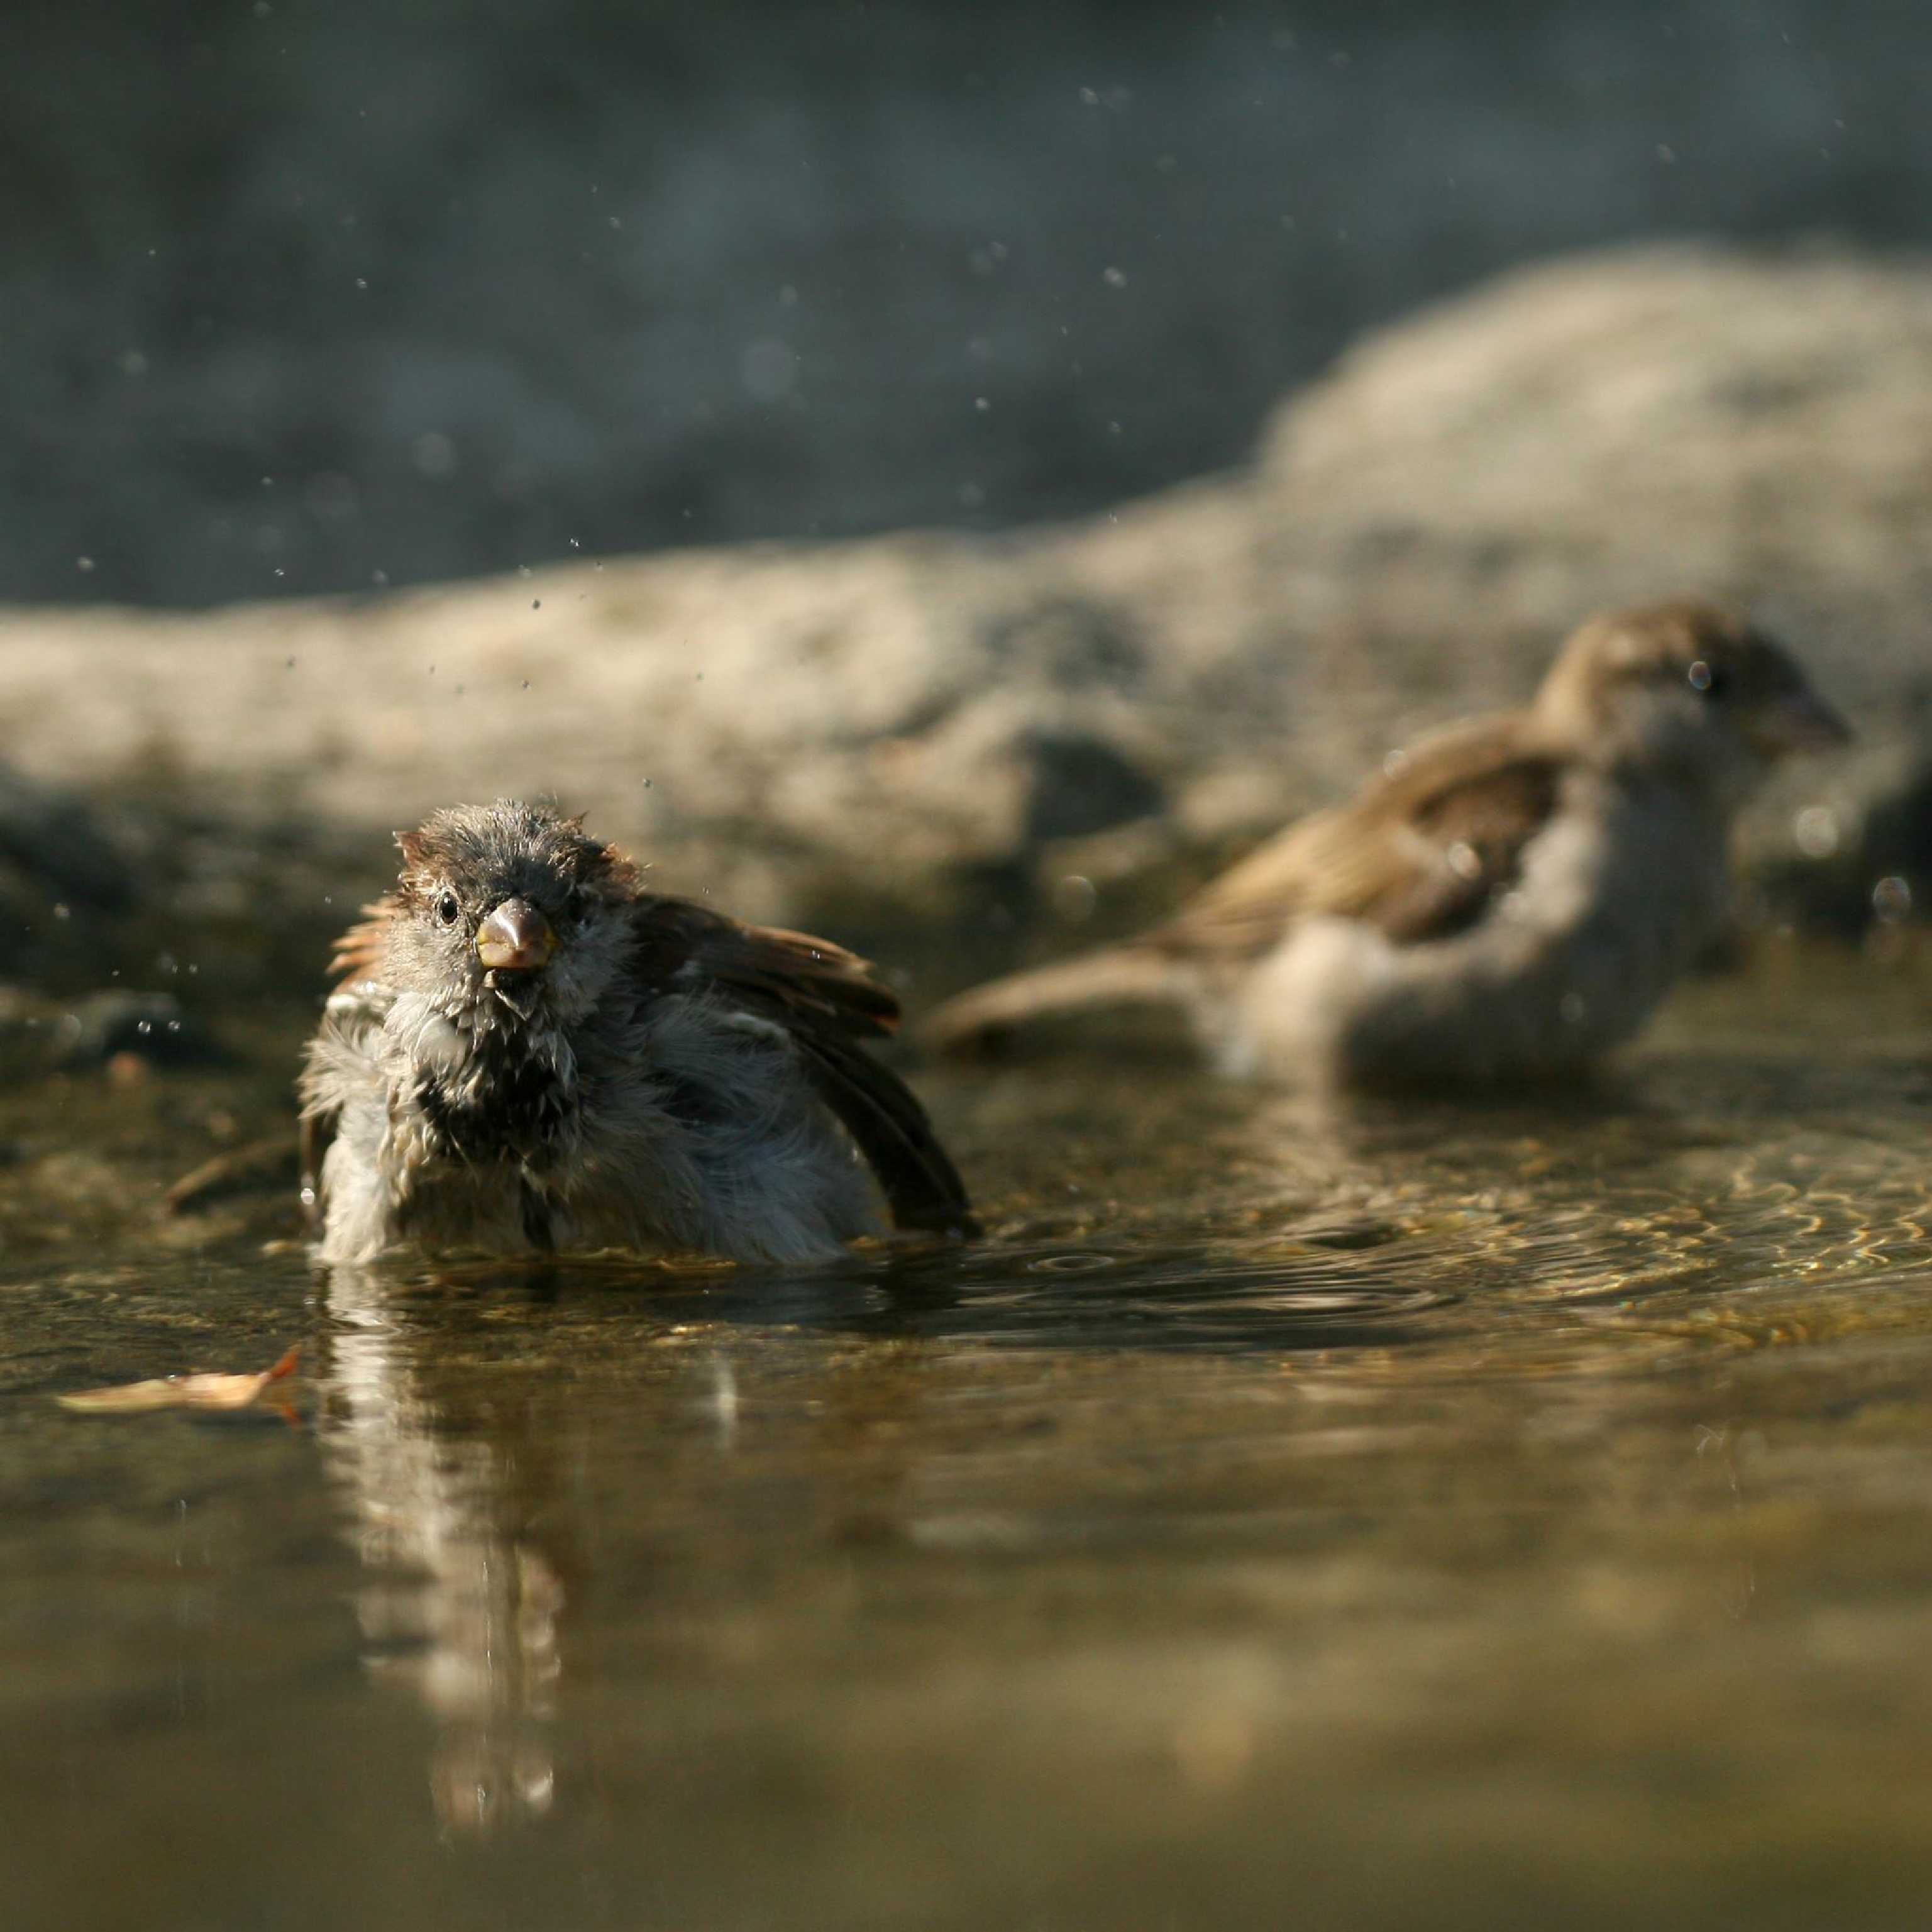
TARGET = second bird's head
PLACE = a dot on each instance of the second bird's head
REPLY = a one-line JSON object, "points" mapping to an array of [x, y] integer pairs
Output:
{"points": [[1686, 688]]}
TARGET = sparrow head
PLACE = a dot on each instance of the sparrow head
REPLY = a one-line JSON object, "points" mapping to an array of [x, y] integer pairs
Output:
{"points": [[1685, 687], [508, 908]]}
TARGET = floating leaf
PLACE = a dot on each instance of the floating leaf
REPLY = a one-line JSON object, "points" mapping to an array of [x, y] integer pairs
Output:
{"points": [[179, 1392]]}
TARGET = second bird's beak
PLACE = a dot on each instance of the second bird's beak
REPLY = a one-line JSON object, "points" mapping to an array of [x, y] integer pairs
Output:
{"points": [[1801, 720], [515, 938]]}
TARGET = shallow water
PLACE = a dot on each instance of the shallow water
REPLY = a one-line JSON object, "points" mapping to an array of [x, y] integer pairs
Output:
{"points": [[1403, 1516]]}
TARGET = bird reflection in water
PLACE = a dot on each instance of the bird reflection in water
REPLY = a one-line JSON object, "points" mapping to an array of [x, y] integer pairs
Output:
{"points": [[461, 1606]]}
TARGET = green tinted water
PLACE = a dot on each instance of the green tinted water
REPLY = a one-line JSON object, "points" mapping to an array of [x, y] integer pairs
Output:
{"points": [[1399, 1517]]}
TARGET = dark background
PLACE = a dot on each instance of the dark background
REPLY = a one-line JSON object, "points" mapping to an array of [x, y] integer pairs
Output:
{"points": [[301, 295]]}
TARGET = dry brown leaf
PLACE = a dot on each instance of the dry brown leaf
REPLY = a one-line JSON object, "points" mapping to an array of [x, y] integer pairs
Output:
{"points": [[179, 1392]]}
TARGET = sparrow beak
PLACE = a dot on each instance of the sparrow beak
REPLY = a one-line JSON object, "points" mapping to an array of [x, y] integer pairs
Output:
{"points": [[1801, 720], [515, 938]]}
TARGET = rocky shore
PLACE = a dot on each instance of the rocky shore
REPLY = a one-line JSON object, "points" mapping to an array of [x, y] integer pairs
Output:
{"points": [[1009, 735]]}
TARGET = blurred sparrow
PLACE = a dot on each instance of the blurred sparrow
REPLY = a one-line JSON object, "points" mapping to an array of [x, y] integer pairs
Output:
{"points": [[1508, 901], [531, 1051]]}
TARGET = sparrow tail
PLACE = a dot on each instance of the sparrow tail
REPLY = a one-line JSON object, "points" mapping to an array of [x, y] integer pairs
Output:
{"points": [[1122, 975]]}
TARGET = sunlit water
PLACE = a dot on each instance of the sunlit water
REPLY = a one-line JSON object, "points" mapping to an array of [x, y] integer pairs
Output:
{"points": [[1408, 1516]]}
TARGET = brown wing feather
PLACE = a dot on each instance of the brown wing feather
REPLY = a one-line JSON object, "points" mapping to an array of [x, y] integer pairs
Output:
{"points": [[1480, 828], [805, 979], [922, 1186], [358, 954], [1420, 854], [827, 1001]]}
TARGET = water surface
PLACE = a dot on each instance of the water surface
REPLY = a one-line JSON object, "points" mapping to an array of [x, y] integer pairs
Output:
{"points": [[1401, 1516]]}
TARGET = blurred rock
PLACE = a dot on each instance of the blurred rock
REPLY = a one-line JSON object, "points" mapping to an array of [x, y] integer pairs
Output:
{"points": [[65, 886], [934, 728], [115, 1028], [103, 1029], [1862, 857], [379, 293], [51, 843]]}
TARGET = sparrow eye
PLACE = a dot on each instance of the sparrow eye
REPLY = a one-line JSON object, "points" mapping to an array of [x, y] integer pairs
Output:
{"points": [[1707, 680], [447, 909]]}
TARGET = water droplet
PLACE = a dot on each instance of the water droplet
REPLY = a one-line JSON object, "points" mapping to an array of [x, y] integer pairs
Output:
{"points": [[1891, 898], [1815, 830], [434, 454], [768, 369], [1074, 897]]}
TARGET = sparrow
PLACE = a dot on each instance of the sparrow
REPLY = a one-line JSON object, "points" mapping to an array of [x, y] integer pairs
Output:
{"points": [[527, 1051], [1506, 901]]}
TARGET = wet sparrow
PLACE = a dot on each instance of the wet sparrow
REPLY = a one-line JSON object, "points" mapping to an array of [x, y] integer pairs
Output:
{"points": [[530, 1051], [1508, 901]]}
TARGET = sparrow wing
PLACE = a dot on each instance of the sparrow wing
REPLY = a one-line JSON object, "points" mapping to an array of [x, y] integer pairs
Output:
{"points": [[358, 954], [825, 1001], [922, 1186], [1421, 854]]}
